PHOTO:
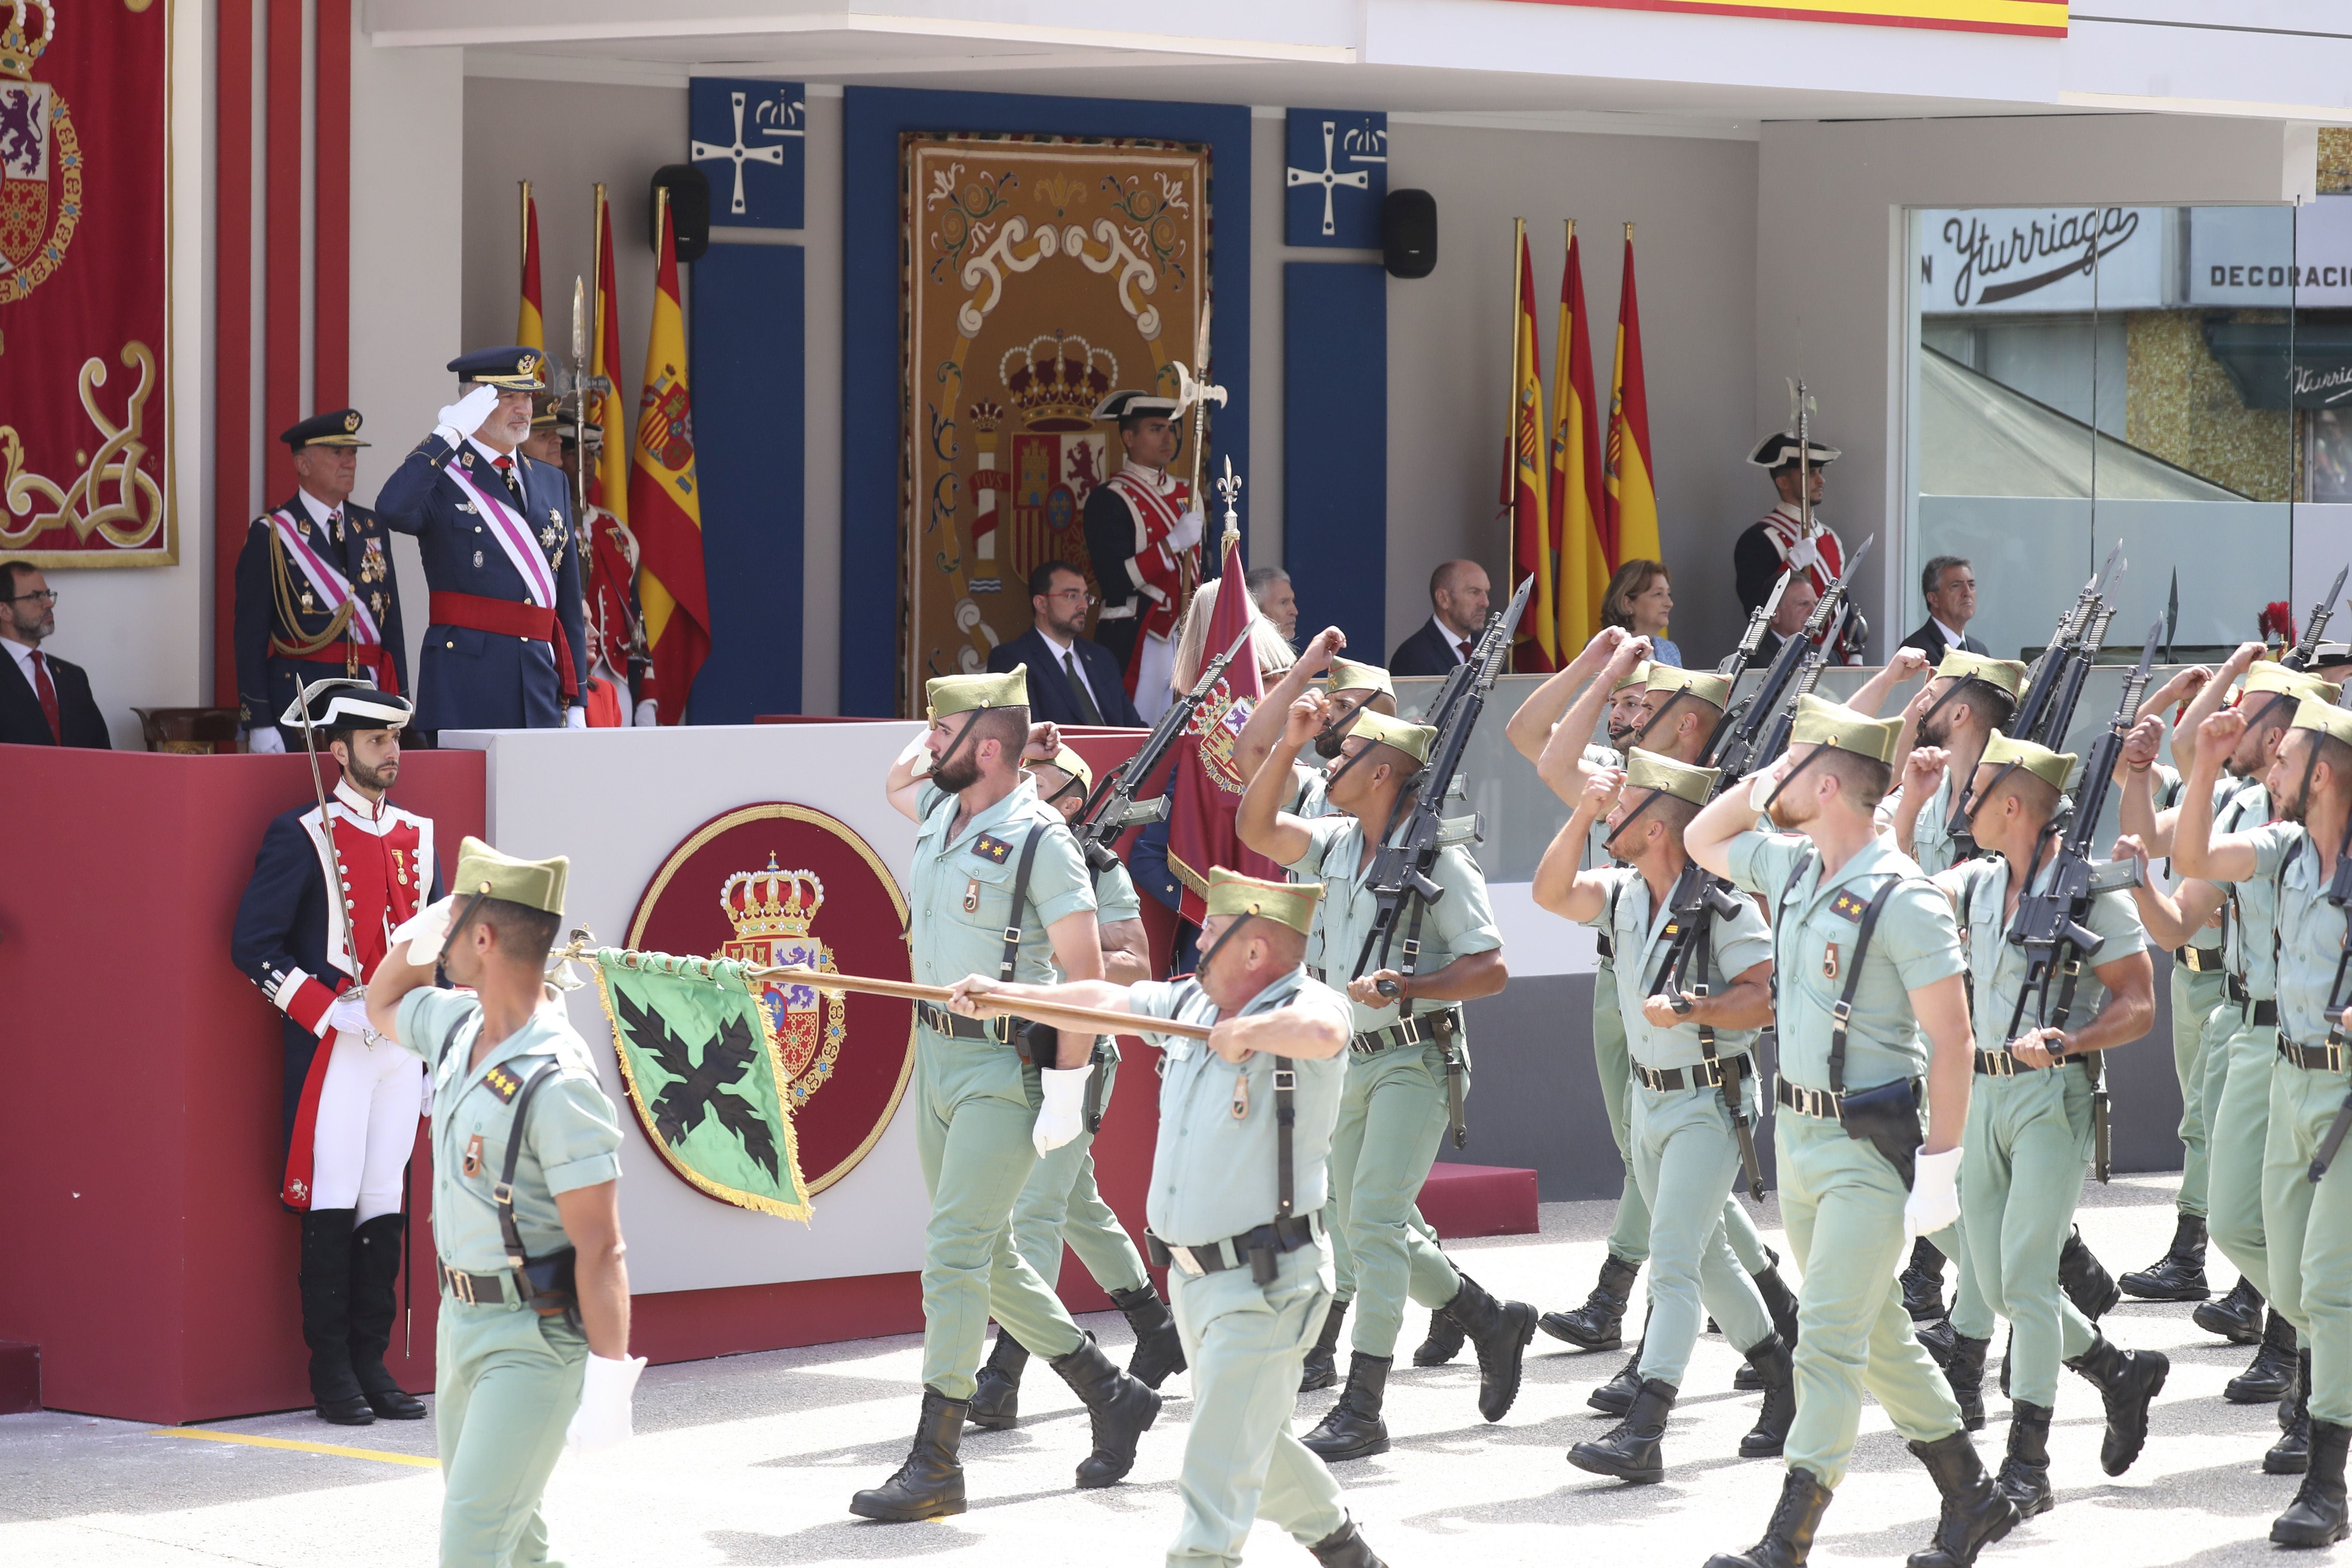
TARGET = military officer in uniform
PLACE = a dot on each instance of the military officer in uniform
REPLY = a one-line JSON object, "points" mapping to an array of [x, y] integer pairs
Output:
{"points": [[1686, 1043], [1060, 1202], [1409, 1058], [1780, 540], [1236, 1206], [1872, 1009], [533, 1344], [507, 649], [1143, 534], [994, 1097], [315, 591], [350, 1102]]}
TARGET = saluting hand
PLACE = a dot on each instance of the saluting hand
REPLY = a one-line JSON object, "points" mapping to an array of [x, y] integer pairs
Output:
{"points": [[1318, 656], [1601, 790], [2220, 731], [1044, 740], [2144, 740], [1921, 769], [1304, 720], [1907, 664]]}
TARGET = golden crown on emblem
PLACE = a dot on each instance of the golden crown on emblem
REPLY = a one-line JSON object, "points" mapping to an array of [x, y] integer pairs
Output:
{"points": [[1058, 388], [771, 903], [18, 50]]}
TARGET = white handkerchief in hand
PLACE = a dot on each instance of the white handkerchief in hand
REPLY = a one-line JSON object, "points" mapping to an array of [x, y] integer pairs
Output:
{"points": [[603, 1420]]}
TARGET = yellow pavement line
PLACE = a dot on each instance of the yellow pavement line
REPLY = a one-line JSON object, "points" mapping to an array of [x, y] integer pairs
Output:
{"points": [[376, 1454]]}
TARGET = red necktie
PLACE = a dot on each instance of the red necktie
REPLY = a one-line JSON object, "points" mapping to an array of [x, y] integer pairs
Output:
{"points": [[1465, 651], [46, 690]]}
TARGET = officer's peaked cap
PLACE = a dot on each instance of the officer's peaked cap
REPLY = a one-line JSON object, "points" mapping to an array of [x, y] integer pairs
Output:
{"points": [[337, 427], [510, 368]]}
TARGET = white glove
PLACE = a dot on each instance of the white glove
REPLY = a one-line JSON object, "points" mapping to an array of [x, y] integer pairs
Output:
{"points": [[425, 930], [601, 1421], [917, 756], [1935, 1200], [648, 714], [1061, 1118], [1188, 528], [264, 739], [1761, 784], [425, 1100], [1803, 554], [575, 717], [348, 1013], [465, 415]]}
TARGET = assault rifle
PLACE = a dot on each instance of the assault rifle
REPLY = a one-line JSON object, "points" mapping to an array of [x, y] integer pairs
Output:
{"points": [[2085, 622], [2049, 924], [1112, 808], [1753, 637], [1735, 746], [2299, 656]]}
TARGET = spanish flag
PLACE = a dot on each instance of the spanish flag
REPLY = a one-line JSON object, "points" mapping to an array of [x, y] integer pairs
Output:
{"points": [[530, 330], [666, 501], [1578, 507], [1525, 459], [1633, 533], [611, 575]]}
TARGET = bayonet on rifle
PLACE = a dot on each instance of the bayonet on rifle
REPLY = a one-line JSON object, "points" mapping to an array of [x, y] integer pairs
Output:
{"points": [[1112, 809], [2300, 655]]}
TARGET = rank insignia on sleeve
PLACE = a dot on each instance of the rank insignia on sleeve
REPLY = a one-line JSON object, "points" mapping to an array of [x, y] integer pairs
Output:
{"points": [[992, 847], [1848, 906], [503, 1084]]}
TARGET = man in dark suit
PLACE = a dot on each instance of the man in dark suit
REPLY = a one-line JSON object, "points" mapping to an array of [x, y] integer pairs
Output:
{"points": [[1457, 604], [1071, 680], [1795, 607], [44, 701], [1949, 587]]}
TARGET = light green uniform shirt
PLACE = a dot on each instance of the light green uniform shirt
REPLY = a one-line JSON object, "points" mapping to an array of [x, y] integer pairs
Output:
{"points": [[1737, 945], [975, 869], [1997, 967], [1214, 1174], [1932, 844], [1115, 897], [2310, 929], [1461, 922], [2168, 779], [1916, 943], [571, 1140], [2250, 927]]}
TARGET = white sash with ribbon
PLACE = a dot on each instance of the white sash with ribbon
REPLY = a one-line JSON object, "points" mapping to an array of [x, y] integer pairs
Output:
{"points": [[514, 536], [330, 584]]}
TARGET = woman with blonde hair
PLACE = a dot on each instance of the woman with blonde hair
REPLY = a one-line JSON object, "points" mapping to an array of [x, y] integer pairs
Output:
{"points": [[1275, 655], [1642, 600]]}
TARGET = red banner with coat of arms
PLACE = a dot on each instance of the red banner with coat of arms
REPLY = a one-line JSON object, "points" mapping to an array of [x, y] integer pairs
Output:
{"points": [[84, 283], [1208, 788]]}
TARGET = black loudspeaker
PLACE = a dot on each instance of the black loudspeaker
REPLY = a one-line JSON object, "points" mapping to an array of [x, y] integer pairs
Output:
{"points": [[1409, 234], [689, 209]]}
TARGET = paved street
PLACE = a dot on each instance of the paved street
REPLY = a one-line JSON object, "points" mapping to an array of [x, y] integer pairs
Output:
{"points": [[751, 1459]]}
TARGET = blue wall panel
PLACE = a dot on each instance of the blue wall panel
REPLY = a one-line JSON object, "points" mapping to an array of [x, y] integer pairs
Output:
{"points": [[873, 119], [1335, 449], [747, 331]]}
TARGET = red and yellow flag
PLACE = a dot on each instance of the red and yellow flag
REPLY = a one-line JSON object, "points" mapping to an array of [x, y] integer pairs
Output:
{"points": [[531, 325], [1527, 458], [1633, 492], [664, 500], [1578, 509], [611, 575]]}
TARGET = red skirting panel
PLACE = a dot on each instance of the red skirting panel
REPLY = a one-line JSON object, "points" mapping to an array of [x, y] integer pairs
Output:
{"points": [[1479, 1200]]}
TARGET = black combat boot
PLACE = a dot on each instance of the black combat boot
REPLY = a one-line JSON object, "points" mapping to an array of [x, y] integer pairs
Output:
{"points": [[1444, 1341], [2129, 1382], [996, 1393], [1632, 1449], [1352, 1429], [375, 1306], [326, 1282], [1345, 1548], [2025, 1474], [1789, 1537], [1119, 1409], [1965, 1373], [1320, 1370], [1923, 1282], [2291, 1454], [2236, 1317], [2008, 1355], [2271, 1373], [2085, 1280], [930, 1485], [2316, 1516], [1159, 1349], [1936, 1339], [1600, 1323], [1769, 1357], [1499, 1332], [2180, 1274], [1975, 1513], [1780, 1302], [1615, 1396]]}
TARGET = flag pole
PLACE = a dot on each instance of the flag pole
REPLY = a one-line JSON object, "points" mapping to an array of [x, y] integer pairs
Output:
{"points": [[1511, 431], [522, 218], [1082, 1020]]}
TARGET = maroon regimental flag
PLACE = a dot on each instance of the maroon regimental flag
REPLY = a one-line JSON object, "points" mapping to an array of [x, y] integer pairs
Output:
{"points": [[1209, 783]]}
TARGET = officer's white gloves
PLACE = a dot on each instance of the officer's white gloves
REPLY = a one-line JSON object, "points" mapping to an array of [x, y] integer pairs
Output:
{"points": [[1803, 554], [348, 1013], [602, 1421], [1186, 532], [265, 737], [425, 930], [917, 756], [1062, 1116], [648, 713], [1935, 1200], [463, 417], [575, 717]]}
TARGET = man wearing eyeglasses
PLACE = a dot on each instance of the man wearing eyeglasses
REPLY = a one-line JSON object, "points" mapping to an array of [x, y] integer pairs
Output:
{"points": [[44, 701], [1071, 679]]}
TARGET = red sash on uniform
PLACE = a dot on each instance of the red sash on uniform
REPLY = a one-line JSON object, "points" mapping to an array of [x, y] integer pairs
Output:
{"points": [[1168, 575], [506, 617]]}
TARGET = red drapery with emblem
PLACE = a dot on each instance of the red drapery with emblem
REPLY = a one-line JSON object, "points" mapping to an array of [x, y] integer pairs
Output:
{"points": [[1208, 787]]}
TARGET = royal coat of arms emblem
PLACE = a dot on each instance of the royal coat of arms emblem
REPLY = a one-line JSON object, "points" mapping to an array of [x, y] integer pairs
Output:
{"points": [[40, 158], [772, 912]]}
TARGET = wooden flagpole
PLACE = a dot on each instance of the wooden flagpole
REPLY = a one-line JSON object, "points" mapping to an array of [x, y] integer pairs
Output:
{"points": [[1098, 1020]]}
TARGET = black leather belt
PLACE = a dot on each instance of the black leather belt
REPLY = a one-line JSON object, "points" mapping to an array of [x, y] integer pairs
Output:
{"points": [[956, 1027], [2198, 960], [2007, 1064], [476, 1290], [1818, 1103], [1233, 1252], [1437, 1028], [1698, 1075], [2313, 1059], [2261, 1015]]}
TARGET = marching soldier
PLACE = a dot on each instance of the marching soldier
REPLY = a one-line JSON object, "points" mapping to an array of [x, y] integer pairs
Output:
{"points": [[507, 649], [533, 1345], [1692, 1058], [1060, 1201], [1238, 1183], [1872, 1009], [350, 1102], [2030, 1132], [1409, 1062], [1143, 534], [1781, 538], [315, 591], [999, 887]]}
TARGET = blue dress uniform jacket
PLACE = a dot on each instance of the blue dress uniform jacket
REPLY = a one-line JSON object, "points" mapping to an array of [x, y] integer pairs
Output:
{"points": [[470, 680], [267, 682]]}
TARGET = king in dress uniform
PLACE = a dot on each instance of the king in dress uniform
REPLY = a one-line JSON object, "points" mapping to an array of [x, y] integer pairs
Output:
{"points": [[507, 649], [1144, 533], [1780, 538], [351, 1102], [315, 594]]}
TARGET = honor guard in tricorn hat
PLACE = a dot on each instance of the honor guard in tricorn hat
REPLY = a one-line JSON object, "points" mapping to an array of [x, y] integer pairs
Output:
{"points": [[1144, 533], [508, 645], [1793, 535], [316, 595]]}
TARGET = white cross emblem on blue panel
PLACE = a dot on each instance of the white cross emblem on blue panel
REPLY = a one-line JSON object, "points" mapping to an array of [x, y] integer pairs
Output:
{"points": [[1334, 177], [761, 122]]}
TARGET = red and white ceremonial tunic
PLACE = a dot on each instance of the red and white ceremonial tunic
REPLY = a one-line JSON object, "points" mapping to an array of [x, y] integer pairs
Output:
{"points": [[1162, 575], [1823, 557]]}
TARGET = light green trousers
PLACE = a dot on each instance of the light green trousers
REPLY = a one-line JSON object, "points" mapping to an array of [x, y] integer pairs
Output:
{"points": [[1843, 1207], [2028, 1144], [1060, 1202], [1244, 1344], [1612, 1060], [2234, 1137], [2201, 1021], [1427, 1274], [1392, 1115], [976, 1104], [506, 1384], [1686, 1158], [2310, 1229]]}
